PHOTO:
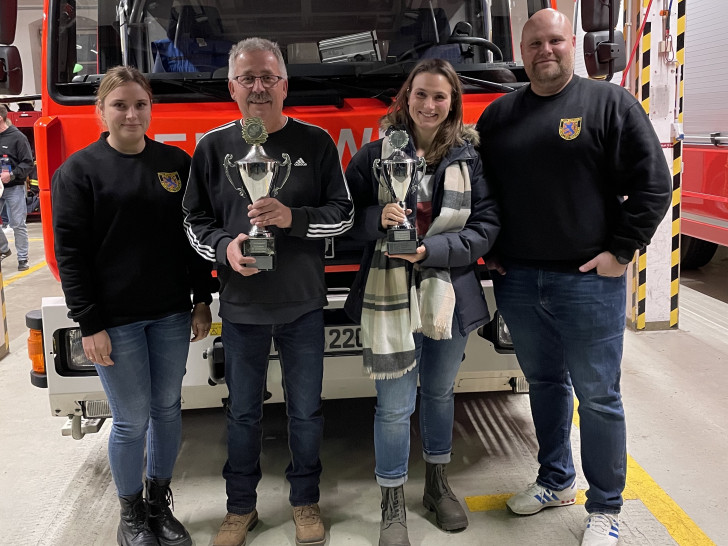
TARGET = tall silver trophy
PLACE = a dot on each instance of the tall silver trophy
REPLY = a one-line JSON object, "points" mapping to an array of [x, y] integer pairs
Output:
{"points": [[400, 175], [261, 176]]}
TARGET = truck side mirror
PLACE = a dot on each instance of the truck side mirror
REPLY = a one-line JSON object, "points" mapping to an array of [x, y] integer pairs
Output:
{"points": [[599, 50], [11, 71], [595, 14], [8, 20], [604, 48]]}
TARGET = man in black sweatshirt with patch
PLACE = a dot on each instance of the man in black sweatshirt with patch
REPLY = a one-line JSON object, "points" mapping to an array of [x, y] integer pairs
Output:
{"points": [[561, 155], [16, 147]]}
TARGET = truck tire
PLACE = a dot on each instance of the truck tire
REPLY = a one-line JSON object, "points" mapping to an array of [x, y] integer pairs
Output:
{"points": [[695, 253]]}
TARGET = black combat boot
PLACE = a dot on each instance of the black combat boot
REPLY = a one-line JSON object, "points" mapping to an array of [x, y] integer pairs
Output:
{"points": [[168, 530], [393, 529], [439, 498], [133, 528]]}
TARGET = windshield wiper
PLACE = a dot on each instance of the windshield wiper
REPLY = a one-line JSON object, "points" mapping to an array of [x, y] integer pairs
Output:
{"points": [[485, 84]]}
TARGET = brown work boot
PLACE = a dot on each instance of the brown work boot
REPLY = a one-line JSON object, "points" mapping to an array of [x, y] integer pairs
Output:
{"points": [[234, 529], [309, 527]]}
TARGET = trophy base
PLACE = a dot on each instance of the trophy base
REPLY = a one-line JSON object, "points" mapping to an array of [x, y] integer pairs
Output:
{"points": [[263, 249], [402, 241]]}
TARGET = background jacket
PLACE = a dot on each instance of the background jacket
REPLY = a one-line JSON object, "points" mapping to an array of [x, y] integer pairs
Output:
{"points": [[15, 145]]}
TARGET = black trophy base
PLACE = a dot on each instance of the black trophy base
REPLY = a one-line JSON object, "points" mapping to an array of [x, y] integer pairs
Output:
{"points": [[402, 241], [263, 249]]}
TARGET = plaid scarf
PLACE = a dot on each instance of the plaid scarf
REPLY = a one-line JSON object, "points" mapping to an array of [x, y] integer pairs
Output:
{"points": [[399, 299]]}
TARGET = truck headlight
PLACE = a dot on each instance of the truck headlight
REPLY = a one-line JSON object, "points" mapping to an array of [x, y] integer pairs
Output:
{"points": [[496, 331], [503, 335], [75, 360]]}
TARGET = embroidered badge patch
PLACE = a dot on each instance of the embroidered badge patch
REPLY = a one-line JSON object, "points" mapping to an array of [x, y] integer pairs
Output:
{"points": [[570, 128], [170, 181]]}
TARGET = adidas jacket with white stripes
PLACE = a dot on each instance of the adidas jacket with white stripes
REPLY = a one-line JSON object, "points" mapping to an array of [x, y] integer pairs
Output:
{"points": [[316, 193]]}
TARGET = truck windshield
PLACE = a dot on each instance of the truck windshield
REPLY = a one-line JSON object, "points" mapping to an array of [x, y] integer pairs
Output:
{"points": [[350, 48]]}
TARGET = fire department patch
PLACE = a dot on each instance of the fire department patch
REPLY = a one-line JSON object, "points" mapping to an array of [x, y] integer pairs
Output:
{"points": [[569, 128], [170, 181]]}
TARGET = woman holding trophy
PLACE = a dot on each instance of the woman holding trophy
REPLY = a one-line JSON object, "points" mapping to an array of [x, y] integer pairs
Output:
{"points": [[127, 271], [417, 308]]}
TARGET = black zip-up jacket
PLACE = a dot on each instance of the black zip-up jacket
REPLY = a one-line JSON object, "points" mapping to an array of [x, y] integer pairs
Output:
{"points": [[15, 145], [458, 252]]}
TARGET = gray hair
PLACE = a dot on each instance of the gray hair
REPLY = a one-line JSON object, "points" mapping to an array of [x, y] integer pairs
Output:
{"points": [[255, 44]]}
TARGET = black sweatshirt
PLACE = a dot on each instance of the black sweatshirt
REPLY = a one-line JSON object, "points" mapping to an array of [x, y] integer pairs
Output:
{"points": [[320, 204], [560, 166], [121, 249], [15, 145]]}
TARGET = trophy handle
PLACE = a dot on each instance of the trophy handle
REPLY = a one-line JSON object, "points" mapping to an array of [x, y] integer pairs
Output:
{"points": [[228, 163], [286, 163], [377, 171], [422, 169]]}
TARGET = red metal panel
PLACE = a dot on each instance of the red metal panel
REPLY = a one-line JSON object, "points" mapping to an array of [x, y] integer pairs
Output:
{"points": [[705, 193]]}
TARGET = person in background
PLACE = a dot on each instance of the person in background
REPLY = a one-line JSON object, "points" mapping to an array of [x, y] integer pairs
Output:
{"points": [[14, 144], [561, 154], [285, 304], [433, 297], [127, 270]]}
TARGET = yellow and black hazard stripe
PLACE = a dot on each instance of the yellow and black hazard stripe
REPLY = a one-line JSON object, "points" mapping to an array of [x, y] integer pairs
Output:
{"points": [[5, 345], [677, 172], [644, 97]]}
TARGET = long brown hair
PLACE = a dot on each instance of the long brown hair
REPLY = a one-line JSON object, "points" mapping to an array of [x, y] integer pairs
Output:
{"points": [[450, 132]]}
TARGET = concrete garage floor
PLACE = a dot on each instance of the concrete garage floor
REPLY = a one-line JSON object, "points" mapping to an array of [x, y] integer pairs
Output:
{"points": [[57, 491]]}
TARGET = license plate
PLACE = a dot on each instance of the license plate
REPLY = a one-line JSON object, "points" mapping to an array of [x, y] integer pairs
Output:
{"points": [[343, 339]]}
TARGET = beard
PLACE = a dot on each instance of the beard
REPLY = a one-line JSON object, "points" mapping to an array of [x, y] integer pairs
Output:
{"points": [[552, 76]]}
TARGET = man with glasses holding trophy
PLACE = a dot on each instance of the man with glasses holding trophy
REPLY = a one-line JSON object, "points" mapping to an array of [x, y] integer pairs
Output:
{"points": [[264, 193]]}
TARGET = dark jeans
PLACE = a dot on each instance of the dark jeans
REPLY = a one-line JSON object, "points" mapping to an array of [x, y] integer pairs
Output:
{"points": [[301, 349], [569, 328]]}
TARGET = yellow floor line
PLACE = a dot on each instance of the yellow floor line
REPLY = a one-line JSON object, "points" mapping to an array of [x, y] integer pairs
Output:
{"points": [[640, 486], [20, 274]]}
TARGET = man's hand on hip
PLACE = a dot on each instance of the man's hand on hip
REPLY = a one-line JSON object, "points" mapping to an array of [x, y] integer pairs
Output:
{"points": [[606, 265]]}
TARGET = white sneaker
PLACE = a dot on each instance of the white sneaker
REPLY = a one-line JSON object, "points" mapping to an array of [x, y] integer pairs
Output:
{"points": [[601, 530], [537, 497]]}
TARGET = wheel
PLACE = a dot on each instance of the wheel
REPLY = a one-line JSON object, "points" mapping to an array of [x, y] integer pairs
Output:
{"points": [[482, 42], [695, 253]]}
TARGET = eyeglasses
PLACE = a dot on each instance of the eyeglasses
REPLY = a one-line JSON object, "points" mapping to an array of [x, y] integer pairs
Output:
{"points": [[268, 81]]}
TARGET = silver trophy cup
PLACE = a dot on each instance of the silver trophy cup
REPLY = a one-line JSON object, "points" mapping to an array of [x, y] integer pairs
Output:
{"points": [[261, 176], [400, 175]]}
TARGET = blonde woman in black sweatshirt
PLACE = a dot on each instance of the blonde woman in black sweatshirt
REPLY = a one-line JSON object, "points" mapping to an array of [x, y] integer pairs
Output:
{"points": [[127, 272]]}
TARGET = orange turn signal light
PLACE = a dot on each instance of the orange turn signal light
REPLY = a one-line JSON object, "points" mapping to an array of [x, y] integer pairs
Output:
{"points": [[35, 351]]}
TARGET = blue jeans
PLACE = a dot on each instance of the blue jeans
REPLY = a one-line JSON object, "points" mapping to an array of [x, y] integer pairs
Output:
{"points": [[568, 328], [144, 390], [301, 350], [14, 200], [437, 365]]}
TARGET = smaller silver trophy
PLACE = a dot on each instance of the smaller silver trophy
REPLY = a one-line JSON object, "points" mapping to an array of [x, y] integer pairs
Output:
{"points": [[260, 175], [399, 176]]}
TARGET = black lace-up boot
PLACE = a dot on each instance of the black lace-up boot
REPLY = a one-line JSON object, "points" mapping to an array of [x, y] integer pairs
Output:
{"points": [[133, 528], [393, 529], [439, 498], [168, 530]]}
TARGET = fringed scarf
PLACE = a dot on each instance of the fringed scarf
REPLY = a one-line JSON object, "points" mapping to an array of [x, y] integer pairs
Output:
{"points": [[399, 300]]}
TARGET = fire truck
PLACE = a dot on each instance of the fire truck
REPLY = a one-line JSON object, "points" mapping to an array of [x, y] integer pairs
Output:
{"points": [[345, 62], [704, 223]]}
